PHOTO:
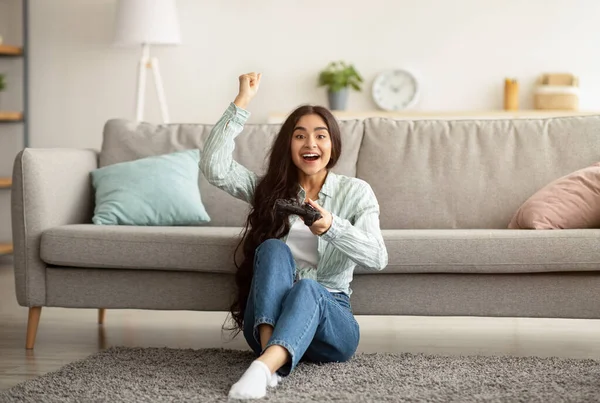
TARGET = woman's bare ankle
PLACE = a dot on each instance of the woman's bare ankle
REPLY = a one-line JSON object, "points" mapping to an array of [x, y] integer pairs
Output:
{"points": [[274, 357], [265, 332]]}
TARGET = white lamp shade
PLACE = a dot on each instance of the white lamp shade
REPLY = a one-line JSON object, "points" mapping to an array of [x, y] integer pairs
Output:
{"points": [[152, 22]]}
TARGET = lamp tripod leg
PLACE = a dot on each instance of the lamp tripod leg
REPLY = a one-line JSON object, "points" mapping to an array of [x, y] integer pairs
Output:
{"points": [[141, 83], [160, 91]]}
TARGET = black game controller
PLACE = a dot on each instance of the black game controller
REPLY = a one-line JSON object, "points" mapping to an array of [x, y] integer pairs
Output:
{"points": [[308, 213]]}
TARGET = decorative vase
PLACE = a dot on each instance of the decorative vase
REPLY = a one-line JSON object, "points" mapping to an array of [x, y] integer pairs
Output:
{"points": [[511, 94], [338, 99]]}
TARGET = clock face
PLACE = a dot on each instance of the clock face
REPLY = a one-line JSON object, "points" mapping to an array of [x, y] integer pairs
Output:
{"points": [[395, 90]]}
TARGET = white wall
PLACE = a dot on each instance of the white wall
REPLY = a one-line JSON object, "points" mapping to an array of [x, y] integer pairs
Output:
{"points": [[462, 49]]}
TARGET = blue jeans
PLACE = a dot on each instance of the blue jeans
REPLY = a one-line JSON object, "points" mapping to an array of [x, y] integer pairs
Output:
{"points": [[311, 323]]}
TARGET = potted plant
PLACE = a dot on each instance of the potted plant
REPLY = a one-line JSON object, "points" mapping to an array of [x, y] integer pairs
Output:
{"points": [[339, 77]]}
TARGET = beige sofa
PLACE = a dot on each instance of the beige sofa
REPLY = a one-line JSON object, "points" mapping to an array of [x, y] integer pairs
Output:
{"points": [[447, 191]]}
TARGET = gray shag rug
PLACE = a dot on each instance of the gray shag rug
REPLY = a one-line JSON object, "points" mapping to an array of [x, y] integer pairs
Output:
{"points": [[163, 374]]}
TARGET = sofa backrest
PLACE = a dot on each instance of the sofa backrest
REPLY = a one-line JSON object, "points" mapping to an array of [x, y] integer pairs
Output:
{"points": [[469, 173], [125, 140]]}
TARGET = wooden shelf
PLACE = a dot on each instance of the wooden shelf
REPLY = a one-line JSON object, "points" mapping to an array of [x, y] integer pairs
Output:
{"points": [[6, 248], [5, 183], [7, 116], [279, 117], [6, 50]]}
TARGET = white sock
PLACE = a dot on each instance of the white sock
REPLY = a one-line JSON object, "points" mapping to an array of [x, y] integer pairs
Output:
{"points": [[253, 383], [275, 380]]}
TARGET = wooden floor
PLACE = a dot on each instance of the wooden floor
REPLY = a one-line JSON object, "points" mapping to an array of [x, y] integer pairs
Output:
{"points": [[66, 335]]}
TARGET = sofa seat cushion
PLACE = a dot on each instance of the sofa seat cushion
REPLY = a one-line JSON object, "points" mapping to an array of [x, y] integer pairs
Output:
{"points": [[491, 251], [208, 249]]}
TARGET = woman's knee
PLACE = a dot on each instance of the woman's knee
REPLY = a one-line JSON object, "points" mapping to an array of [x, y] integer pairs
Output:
{"points": [[270, 245], [272, 248], [273, 251]]}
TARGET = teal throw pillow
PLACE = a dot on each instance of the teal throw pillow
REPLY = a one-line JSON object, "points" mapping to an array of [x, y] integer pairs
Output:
{"points": [[158, 190]]}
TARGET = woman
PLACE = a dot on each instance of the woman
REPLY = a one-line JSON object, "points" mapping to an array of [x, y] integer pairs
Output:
{"points": [[293, 299]]}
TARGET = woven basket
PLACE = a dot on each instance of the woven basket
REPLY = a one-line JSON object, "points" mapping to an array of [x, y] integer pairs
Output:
{"points": [[556, 101], [557, 92]]}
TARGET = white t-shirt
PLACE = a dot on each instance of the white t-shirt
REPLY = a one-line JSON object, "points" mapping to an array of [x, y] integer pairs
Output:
{"points": [[303, 244]]}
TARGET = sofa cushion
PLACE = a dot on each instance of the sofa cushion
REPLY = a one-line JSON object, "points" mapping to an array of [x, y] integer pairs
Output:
{"points": [[130, 247], [572, 201], [125, 140], [469, 173], [410, 251], [491, 251], [156, 190]]}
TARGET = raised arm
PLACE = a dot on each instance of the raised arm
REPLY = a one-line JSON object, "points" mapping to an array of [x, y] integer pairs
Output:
{"points": [[217, 164]]}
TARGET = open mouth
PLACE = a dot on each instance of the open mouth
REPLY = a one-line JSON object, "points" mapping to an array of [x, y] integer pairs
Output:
{"points": [[310, 157]]}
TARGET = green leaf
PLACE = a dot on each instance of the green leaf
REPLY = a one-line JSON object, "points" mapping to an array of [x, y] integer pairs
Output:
{"points": [[338, 75]]}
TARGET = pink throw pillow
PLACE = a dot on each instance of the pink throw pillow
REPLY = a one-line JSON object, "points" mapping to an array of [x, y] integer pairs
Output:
{"points": [[572, 201]]}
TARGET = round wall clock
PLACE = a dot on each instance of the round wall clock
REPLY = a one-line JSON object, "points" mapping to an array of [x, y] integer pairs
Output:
{"points": [[395, 89]]}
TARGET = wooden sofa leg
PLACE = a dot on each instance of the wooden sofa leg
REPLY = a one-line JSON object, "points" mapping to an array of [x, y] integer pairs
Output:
{"points": [[32, 326], [101, 315]]}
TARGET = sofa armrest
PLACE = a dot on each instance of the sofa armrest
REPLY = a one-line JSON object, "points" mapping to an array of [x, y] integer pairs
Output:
{"points": [[51, 187]]}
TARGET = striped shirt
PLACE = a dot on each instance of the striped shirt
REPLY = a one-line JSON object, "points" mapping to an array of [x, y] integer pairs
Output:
{"points": [[354, 238]]}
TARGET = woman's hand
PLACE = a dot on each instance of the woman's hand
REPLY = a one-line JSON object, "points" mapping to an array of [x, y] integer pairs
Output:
{"points": [[320, 226], [248, 88]]}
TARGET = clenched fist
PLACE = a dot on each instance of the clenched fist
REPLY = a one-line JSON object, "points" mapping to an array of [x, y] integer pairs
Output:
{"points": [[248, 88]]}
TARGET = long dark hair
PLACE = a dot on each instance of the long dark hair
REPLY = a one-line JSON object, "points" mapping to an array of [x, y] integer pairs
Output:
{"points": [[279, 182]]}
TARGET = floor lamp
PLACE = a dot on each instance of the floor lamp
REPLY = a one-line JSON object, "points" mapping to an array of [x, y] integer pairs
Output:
{"points": [[144, 23]]}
